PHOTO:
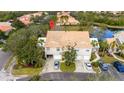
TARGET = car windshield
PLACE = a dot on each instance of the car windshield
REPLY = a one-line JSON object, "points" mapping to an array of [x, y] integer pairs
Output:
{"points": [[56, 63], [89, 65], [105, 65]]}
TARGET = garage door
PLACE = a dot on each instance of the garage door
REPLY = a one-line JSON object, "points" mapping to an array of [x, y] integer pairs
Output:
{"points": [[79, 57], [86, 57], [57, 57]]}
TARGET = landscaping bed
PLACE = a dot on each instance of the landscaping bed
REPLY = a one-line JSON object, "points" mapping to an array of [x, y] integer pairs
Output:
{"points": [[95, 66], [65, 68], [96, 69], [93, 56]]}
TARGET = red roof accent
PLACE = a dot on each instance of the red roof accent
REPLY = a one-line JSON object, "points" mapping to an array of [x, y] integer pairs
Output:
{"points": [[5, 28], [51, 23]]}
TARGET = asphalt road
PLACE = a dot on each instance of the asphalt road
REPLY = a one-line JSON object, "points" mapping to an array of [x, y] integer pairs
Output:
{"points": [[4, 57], [61, 76], [111, 75]]}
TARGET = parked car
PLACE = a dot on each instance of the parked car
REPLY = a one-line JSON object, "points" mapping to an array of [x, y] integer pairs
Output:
{"points": [[119, 66], [88, 66], [56, 65], [103, 66]]}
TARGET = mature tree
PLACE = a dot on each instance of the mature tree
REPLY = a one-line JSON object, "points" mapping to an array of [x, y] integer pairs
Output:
{"points": [[2, 35], [64, 19], [23, 44], [5, 15], [18, 24], [69, 55], [113, 45]]}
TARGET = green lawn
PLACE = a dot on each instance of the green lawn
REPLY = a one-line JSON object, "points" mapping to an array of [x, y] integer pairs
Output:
{"points": [[120, 57], [26, 71], [108, 59], [65, 68]]}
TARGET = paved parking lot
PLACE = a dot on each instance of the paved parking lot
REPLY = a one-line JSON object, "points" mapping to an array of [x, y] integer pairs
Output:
{"points": [[114, 73]]}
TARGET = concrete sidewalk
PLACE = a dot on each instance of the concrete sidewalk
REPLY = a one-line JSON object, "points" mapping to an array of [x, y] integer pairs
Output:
{"points": [[116, 57]]}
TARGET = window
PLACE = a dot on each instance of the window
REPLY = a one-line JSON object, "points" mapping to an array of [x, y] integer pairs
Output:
{"points": [[58, 49], [48, 49], [77, 50], [87, 50]]}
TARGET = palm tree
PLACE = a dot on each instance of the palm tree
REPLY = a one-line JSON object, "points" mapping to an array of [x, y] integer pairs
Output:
{"points": [[103, 47], [94, 43], [64, 20], [113, 45], [121, 47]]}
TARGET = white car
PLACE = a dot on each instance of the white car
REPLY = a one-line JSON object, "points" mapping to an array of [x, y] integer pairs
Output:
{"points": [[88, 66]]}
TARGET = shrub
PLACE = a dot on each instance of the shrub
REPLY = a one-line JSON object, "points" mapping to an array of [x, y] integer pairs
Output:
{"points": [[93, 56], [35, 78], [95, 64]]}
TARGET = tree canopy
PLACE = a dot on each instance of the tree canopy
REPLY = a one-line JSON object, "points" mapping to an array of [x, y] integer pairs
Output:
{"points": [[23, 44], [69, 55]]}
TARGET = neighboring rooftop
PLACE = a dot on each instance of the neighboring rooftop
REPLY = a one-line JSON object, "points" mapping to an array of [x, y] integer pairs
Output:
{"points": [[26, 19], [120, 36], [110, 40], [61, 39], [5, 26], [71, 20]]}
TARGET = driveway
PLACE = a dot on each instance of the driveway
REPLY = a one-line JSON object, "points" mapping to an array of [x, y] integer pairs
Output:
{"points": [[49, 66], [81, 67], [4, 57], [4, 76]]}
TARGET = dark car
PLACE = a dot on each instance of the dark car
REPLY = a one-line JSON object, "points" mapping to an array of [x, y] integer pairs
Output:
{"points": [[119, 66], [103, 66], [56, 65]]}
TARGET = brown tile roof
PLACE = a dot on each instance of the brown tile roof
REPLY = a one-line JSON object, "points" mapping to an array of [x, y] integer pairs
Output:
{"points": [[61, 39], [5, 26], [71, 20]]}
